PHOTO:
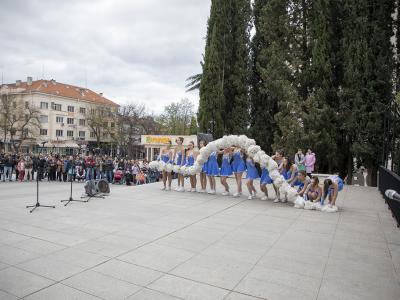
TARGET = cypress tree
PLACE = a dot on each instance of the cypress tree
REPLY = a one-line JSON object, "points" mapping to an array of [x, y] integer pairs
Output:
{"points": [[228, 34], [236, 79], [322, 130], [263, 105], [212, 101], [367, 86], [274, 110]]}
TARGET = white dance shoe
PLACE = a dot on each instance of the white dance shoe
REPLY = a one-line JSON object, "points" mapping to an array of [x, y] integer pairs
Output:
{"points": [[237, 195], [225, 193], [264, 198]]}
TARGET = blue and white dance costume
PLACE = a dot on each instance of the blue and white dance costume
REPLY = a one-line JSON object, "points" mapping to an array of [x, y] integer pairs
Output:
{"points": [[238, 165], [252, 172], [212, 165], [226, 169], [190, 160], [180, 158], [165, 158], [265, 178], [339, 182]]}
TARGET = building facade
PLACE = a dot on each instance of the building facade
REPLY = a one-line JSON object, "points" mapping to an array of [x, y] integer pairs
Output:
{"points": [[70, 117]]}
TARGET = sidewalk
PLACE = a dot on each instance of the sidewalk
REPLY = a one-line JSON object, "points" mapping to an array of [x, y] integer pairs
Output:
{"points": [[143, 243]]}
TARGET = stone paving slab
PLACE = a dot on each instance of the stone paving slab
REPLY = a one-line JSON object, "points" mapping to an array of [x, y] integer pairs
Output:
{"points": [[144, 243]]}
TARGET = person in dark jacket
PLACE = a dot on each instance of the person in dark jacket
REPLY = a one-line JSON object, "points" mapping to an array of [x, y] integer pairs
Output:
{"points": [[109, 168]]}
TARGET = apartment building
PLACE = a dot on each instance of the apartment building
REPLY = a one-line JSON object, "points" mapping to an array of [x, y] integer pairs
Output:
{"points": [[65, 112]]}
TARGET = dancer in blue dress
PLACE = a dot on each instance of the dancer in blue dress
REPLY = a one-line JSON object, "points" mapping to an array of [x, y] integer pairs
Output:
{"points": [[212, 171], [264, 180], [252, 173], [280, 160], [238, 167], [226, 169], [166, 156], [332, 186], [191, 157], [203, 173], [179, 155]]}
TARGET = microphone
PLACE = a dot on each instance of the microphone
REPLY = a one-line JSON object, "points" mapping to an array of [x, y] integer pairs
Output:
{"points": [[392, 195]]}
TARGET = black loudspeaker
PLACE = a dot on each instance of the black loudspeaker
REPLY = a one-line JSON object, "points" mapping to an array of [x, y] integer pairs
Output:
{"points": [[94, 187], [102, 186], [205, 137]]}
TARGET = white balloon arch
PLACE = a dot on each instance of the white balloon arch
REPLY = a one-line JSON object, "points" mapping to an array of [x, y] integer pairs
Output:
{"points": [[252, 150]]}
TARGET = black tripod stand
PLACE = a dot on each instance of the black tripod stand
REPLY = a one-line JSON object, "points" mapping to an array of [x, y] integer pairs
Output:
{"points": [[70, 195], [37, 189]]}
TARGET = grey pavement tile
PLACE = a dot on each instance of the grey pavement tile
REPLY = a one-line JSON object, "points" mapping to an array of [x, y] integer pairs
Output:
{"points": [[337, 288], [38, 246], [157, 257], [214, 270], [21, 283], [128, 272], [8, 237], [51, 268], [189, 244], [12, 255], [147, 294], [292, 265], [187, 289], [238, 296], [100, 285], [3, 266], [7, 296], [60, 292], [78, 257]]}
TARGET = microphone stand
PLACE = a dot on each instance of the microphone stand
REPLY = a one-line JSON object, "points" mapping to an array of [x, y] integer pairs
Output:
{"points": [[37, 190], [70, 195]]}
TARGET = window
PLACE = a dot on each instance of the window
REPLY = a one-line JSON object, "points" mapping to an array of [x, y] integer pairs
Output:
{"points": [[82, 110], [92, 135], [59, 132], [56, 106], [44, 119], [71, 108], [14, 104], [70, 121], [26, 117], [70, 133], [44, 105], [59, 119], [105, 135], [26, 104], [82, 122], [25, 132], [43, 131], [82, 134], [112, 125]]}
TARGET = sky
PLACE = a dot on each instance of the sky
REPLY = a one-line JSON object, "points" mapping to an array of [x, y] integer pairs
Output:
{"points": [[133, 51]]}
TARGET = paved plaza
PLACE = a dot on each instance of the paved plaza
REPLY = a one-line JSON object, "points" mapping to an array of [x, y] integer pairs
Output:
{"points": [[143, 243]]}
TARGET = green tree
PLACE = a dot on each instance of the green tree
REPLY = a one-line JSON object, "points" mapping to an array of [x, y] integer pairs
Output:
{"points": [[321, 122], [224, 89], [367, 85]]}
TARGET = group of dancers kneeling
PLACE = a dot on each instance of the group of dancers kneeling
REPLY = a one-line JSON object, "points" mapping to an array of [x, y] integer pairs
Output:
{"points": [[235, 162]]}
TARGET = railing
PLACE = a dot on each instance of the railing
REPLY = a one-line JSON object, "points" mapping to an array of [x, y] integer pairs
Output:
{"points": [[390, 180]]}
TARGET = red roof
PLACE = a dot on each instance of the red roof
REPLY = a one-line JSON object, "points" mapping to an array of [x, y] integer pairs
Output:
{"points": [[60, 89]]}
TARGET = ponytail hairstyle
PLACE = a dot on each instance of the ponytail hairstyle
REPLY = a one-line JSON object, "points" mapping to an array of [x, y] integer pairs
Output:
{"points": [[327, 183], [316, 181], [288, 164]]}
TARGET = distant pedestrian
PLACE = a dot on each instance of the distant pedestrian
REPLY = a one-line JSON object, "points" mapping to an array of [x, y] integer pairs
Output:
{"points": [[309, 162]]}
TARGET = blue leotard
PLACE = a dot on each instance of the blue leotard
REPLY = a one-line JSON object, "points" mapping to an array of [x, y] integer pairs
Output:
{"points": [[252, 172], [226, 169], [265, 178], [238, 165], [212, 165]]}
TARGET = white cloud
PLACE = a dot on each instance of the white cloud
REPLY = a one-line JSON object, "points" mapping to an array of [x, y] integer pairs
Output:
{"points": [[131, 50]]}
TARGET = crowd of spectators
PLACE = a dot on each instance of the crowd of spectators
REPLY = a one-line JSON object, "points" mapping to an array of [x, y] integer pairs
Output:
{"points": [[63, 168]]}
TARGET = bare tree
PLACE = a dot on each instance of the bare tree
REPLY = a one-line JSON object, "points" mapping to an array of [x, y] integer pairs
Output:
{"points": [[18, 119]]}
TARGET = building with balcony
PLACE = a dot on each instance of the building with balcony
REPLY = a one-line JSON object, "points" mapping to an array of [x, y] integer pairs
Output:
{"points": [[70, 117]]}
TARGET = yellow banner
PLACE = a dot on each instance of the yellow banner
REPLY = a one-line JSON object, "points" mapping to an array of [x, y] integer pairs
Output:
{"points": [[157, 140]]}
